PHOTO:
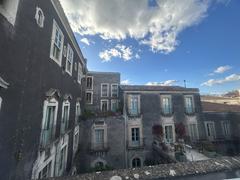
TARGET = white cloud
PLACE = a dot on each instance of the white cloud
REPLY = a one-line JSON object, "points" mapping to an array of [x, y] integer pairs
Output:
{"points": [[119, 51], [137, 56], [158, 27], [125, 82], [222, 69], [165, 83], [231, 78], [85, 40]]}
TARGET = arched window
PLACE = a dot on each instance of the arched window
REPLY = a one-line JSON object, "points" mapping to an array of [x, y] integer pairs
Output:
{"points": [[99, 165], [39, 16], [136, 162]]}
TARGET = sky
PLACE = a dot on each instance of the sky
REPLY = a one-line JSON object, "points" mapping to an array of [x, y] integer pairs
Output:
{"points": [[161, 42]]}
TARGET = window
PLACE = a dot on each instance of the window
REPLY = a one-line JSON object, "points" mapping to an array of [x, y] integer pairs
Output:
{"points": [[193, 131], [134, 105], [69, 60], [89, 97], [99, 165], [56, 44], [49, 121], [166, 105], [75, 139], [114, 88], [46, 171], [89, 82], [63, 158], [189, 107], [104, 90], [226, 128], [136, 162], [99, 138], [210, 130], [80, 73], [39, 16], [135, 136], [168, 133], [78, 112], [65, 116], [104, 105], [114, 105]]}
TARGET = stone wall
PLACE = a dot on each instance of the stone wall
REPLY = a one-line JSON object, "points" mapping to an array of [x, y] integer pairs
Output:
{"points": [[219, 168]]}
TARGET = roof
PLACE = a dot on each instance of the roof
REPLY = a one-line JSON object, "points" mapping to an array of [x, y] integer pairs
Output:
{"points": [[165, 171], [217, 107], [156, 88], [3, 84], [99, 72]]}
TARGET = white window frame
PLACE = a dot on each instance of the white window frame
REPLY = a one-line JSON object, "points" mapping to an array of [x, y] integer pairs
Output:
{"points": [[9, 10], [37, 17], [130, 96], [92, 82], [46, 164], [77, 114], [91, 97], [173, 133], [50, 102], [170, 101], [102, 100], [102, 84], [190, 130], [80, 73], [211, 138], [70, 57], [193, 103], [55, 26], [66, 103], [63, 143], [75, 145], [99, 127], [114, 101], [226, 133], [112, 90]]}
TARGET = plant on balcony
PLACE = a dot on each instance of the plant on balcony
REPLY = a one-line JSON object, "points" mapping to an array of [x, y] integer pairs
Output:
{"points": [[180, 131], [86, 115]]}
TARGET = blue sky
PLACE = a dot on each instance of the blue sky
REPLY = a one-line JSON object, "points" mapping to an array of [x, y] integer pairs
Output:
{"points": [[166, 44]]}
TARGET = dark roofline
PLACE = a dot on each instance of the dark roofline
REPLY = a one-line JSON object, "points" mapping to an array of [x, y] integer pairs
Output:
{"points": [[156, 88], [101, 72]]}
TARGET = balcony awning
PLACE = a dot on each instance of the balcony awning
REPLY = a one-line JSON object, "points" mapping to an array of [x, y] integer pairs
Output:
{"points": [[3, 84]]}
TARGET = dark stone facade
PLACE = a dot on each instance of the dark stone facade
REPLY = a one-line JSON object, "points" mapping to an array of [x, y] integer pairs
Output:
{"points": [[26, 65]]}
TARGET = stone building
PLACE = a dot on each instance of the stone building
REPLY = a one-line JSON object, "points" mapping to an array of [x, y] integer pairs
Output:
{"points": [[125, 139], [41, 92], [222, 125], [56, 116]]}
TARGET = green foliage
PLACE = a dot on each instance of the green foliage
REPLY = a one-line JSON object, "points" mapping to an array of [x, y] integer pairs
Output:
{"points": [[86, 115]]}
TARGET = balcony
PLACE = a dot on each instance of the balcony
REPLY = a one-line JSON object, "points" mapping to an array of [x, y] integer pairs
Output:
{"points": [[99, 147], [132, 145]]}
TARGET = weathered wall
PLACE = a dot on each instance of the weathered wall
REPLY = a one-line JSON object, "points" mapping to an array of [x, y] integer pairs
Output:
{"points": [[114, 156], [98, 78], [26, 66]]}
